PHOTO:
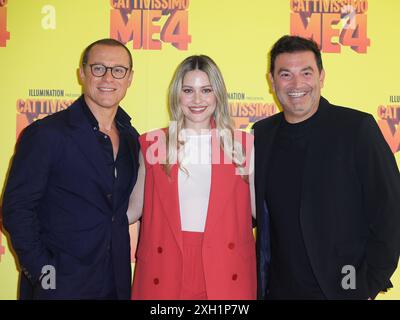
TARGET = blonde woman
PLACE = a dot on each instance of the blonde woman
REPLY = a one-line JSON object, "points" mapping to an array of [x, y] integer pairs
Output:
{"points": [[196, 239]]}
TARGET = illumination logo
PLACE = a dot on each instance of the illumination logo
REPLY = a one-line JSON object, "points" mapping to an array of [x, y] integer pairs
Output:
{"points": [[41, 103]]}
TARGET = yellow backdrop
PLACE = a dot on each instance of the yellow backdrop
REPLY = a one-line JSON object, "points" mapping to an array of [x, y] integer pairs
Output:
{"points": [[41, 42]]}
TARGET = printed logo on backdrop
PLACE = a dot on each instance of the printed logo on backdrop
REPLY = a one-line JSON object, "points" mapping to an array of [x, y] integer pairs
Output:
{"points": [[150, 24], [4, 33], [41, 103], [389, 118], [333, 24], [245, 110]]}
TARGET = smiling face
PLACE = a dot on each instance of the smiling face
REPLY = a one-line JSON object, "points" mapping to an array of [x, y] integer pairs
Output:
{"points": [[106, 91], [197, 100], [297, 84]]}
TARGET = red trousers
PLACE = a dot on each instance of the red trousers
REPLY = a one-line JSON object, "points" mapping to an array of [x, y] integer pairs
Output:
{"points": [[194, 286]]}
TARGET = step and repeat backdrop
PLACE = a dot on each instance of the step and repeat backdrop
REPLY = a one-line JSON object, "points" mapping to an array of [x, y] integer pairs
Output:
{"points": [[41, 42]]}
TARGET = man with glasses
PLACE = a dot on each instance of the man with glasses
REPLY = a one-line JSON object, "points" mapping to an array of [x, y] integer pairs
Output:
{"points": [[68, 189]]}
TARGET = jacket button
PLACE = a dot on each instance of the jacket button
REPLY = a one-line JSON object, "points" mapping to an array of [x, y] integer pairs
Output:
{"points": [[113, 218], [159, 249], [109, 196], [234, 277], [156, 281], [231, 245]]}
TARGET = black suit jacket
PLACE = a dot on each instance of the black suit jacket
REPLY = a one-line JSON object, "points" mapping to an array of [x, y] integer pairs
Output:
{"points": [[350, 209], [60, 208]]}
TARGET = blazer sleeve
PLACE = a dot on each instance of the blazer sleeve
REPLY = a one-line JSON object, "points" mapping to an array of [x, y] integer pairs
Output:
{"points": [[380, 181], [24, 190]]}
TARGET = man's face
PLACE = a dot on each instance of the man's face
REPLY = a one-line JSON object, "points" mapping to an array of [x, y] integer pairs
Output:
{"points": [[297, 84], [106, 91]]}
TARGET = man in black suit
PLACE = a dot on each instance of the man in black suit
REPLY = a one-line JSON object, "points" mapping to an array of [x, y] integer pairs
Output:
{"points": [[67, 194], [327, 189]]}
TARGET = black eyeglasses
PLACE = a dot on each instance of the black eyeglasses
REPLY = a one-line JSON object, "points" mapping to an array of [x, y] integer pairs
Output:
{"points": [[99, 70]]}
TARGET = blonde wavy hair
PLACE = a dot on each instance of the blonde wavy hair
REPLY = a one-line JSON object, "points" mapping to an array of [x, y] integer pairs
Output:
{"points": [[223, 122]]}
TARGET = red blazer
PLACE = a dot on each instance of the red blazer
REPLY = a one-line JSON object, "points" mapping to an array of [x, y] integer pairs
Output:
{"points": [[229, 258]]}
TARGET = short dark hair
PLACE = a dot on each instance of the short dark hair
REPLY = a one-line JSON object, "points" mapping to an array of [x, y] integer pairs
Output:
{"points": [[290, 44], [106, 42]]}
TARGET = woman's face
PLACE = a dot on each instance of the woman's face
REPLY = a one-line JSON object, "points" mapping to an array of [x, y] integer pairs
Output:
{"points": [[197, 100]]}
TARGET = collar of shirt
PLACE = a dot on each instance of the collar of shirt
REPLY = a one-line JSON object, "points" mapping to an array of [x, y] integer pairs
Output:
{"points": [[122, 119]]}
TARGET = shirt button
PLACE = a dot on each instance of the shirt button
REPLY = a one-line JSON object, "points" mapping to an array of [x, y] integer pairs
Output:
{"points": [[95, 128], [156, 281], [159, 249], [231, 245], [105, 137], [234, 277]]}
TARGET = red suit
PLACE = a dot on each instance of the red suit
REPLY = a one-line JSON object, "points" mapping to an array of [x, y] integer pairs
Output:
{"points": [[228, 249]]}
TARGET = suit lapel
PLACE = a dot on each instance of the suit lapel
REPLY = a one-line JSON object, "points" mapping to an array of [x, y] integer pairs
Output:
{"points": [[167, 190], [131, 139], [264, 138], [263, 142], [132, 146]]}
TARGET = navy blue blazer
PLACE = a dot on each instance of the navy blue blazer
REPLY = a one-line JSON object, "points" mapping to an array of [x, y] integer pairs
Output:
{"points": [[60, 210]]}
